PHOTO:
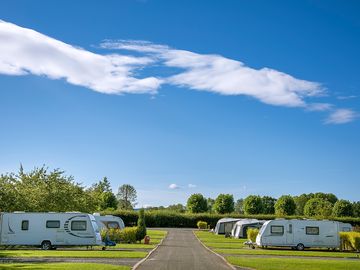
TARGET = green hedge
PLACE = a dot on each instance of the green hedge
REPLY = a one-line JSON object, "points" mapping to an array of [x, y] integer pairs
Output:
{"points": [[188, 220]]}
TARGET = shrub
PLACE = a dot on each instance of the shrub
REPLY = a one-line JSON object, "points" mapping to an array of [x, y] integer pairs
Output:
{"points": [[252, 233], [350, 240], [202, 225], [141, 227], [127, 235]]}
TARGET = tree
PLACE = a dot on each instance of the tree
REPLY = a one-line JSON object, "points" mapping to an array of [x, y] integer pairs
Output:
{"points": [[103, 195], [196, 203], [285, 206], [326, 196], [239, 206], [317, 207], [342, 208], [300, 202], [224, 204], [141, 227], [127, 197], [268, 205], [210, 205], [176, 208], [8, 193], [356, 209], [253, 205]]}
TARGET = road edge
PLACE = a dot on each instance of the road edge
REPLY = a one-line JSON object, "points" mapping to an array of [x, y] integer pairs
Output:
{"points": [[217, 254], [149, 254]]}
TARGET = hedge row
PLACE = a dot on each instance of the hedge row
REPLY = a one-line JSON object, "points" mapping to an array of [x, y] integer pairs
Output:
{"points": [[187, 220]]}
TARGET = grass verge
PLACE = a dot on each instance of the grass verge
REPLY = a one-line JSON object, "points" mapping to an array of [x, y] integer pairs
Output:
{"points": [[62, 266]]}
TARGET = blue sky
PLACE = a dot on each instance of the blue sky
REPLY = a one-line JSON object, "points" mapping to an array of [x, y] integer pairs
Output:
{"points": [[241, 97]]}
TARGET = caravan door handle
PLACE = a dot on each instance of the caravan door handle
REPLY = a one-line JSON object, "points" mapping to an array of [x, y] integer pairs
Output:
{"points": [[329, 236]]}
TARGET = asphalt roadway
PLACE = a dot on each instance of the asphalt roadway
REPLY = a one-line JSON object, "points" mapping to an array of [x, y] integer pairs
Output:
{"points": [[181, 250]]}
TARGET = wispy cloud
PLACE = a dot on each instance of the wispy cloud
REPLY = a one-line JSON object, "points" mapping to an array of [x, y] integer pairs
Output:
{"points": [[173, 186], [341, 116], [191, 186], [24, 51]]}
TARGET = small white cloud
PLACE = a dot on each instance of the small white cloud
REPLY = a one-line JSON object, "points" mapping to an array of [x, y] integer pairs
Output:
{"points": [[319, 107], [346, 97], [174, 186], [191, 186], [341, 116]]}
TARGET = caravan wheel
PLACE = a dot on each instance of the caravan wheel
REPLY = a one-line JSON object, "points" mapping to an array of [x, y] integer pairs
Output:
{"points": [[300, 247], [46, 245]]}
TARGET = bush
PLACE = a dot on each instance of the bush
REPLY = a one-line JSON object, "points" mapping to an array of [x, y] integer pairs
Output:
{"points": [[141, 227], [202, 225], [127, 235], [350, 241], [252, 233]]}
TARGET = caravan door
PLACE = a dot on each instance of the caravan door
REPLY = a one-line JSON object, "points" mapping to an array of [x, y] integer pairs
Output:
{"points": [[289, 234]]}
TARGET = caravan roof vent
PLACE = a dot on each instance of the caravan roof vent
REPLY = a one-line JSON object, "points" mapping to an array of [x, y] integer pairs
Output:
{"points": [[96, 214]]}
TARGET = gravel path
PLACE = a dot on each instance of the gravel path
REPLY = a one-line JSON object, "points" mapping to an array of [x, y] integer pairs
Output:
{"points": [[181, 250]]}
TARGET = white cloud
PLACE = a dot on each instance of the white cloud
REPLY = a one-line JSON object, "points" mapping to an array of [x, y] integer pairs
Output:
{"points": [[341, 116], [215, 73], [174, 186], [346, 97], [24, 51], [191, 186], [319, 107]]}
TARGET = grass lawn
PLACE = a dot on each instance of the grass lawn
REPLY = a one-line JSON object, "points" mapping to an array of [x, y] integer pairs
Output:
{"points": [[247, 251], [62, 266], [219, 241], [292, 264], [73, 254]]}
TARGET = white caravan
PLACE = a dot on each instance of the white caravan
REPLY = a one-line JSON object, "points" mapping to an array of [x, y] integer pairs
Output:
{"points": [[109, 222], [48, 230], [301, 234], [240, 228], [225, 225]]}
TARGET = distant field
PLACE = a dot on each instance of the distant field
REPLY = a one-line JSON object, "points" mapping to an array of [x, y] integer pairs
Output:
{"points": [[62, 266], [265, 260]]}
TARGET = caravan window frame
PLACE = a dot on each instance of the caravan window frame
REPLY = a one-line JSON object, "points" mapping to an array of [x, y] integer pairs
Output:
{"points": [[307, 228], [277, 233], [51, 226], [78, 221], [110, 225], [23, 226]]}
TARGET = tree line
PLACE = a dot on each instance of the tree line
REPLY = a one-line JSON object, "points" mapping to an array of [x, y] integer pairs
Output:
{"points": [[43, 190], [310, 205]]}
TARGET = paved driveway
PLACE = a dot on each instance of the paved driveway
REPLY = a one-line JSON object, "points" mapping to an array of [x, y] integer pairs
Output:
{"points": [[181, 250]]}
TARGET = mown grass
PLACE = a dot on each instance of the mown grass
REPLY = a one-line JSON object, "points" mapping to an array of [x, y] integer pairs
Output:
{"points": [[62, 266], [293, 263], [274, 252], [73, 253]]}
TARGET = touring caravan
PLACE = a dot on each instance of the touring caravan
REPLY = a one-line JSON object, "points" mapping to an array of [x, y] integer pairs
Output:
{"points": [[225, 225], [301, 234], [109, 222], [240, 228], [48, 230]]}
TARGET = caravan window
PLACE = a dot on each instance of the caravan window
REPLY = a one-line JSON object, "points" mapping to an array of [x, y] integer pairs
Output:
{"points": [[312, 230], [78, 225], [25, 225], [53, 224], [278, 230], [113, 225]]}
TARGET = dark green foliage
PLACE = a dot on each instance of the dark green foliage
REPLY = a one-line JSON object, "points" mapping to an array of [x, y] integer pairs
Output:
{"points": [[300, 202], [253, 205], [169, 219], [224, 203], [342, 208], [141, 227], [285, 206], [356, 209], [210, 205], [196, 203], [317, 207], [103, 196], [239, 206], [268, 205]]}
